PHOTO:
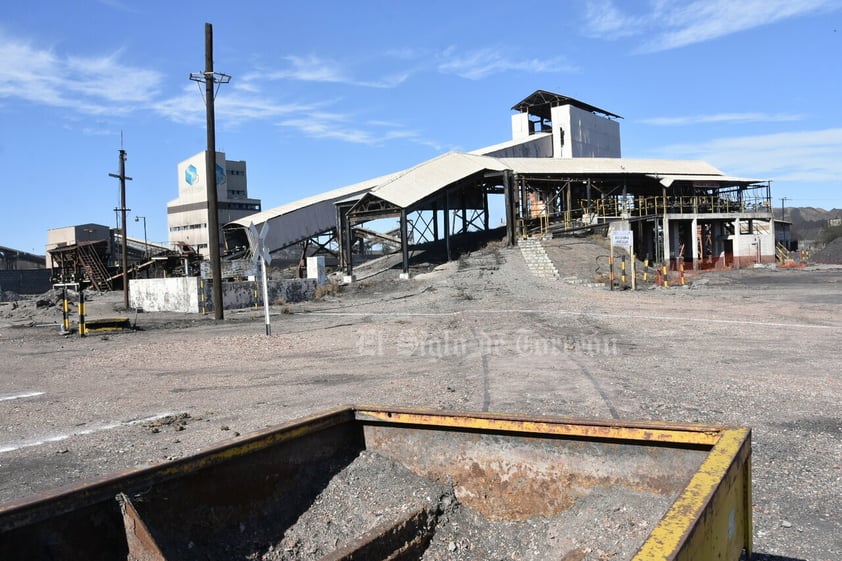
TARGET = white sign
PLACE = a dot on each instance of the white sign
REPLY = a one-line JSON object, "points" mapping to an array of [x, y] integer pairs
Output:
{"points": [[622, 238]]}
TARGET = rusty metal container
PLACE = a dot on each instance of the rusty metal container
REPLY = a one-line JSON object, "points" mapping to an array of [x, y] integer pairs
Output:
{"points": [[507, 468]]}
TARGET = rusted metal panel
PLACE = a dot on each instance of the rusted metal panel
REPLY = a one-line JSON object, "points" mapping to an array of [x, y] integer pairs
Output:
{"points": [[142, 546], [269, 471], [712, 517], [703, 435], [507, 467], [517, 477]]}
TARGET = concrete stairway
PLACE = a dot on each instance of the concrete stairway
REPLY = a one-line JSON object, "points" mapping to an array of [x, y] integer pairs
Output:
{"points": [[536, 258]]}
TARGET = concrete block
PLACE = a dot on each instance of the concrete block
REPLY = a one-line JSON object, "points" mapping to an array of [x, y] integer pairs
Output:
{"points": [[193, 295]]}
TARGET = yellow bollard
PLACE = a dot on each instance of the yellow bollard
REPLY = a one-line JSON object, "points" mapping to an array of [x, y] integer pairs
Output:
{"points": [[83, 330], [202, 298], [65, 309]]}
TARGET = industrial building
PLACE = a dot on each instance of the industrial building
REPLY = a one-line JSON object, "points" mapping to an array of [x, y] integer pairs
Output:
{"points": [[562, 172], [22, 272], [92, 254], [16, 260], [187, 215]]}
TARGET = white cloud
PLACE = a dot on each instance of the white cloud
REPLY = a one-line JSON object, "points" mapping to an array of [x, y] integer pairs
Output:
{"points": [[309, 68], [327, 130], [481, 63], [231, 107], [807, 156], [605, 20], [312, 68], [723, 118], [120, 6], [337, 126], [669, 25], [94, 85]]}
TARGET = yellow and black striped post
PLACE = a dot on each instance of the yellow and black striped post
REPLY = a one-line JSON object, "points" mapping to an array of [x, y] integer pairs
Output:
{"points": [[666, 277], [83, 330], [65, 307], [645, 270]]}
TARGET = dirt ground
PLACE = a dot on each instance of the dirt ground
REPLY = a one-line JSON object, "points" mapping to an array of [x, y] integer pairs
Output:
{"points": [[755, 347]]}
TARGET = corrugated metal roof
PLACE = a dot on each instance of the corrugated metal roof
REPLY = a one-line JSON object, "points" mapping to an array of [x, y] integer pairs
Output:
{"points": [[408, 187], [537, 137], [418, 183], [302, 219], [340, 193], [542, 97], [724, 180], [596, 166]]}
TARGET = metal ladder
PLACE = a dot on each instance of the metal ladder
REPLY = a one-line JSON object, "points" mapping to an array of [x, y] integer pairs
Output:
{"points": [[95, 268]]}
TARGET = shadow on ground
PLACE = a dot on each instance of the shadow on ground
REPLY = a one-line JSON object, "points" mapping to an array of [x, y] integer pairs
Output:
{"points": [[766, 557]]}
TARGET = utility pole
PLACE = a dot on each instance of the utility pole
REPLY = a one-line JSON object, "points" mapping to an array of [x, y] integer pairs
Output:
{"points": [[122, 177], [783, 209], [210, 78]]}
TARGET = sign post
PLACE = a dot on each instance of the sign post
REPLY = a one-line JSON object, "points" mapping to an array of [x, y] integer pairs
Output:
{"points": [[625, 238], [260, 253]]}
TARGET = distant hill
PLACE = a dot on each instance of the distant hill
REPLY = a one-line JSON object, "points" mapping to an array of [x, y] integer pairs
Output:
{"points": [[808, 222]]}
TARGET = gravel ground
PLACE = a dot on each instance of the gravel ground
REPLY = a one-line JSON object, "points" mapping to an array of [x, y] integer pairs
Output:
{"points": [[371, 490], [755, 347], [602, 525]]}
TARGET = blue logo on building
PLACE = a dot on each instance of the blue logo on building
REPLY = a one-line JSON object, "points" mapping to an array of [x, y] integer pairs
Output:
{"points": [[220, 175], [191, 175]]}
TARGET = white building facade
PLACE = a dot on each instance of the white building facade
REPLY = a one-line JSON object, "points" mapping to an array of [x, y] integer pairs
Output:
{"points": [[187, 216]]}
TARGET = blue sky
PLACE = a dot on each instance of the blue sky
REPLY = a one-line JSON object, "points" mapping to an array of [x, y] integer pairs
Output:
{"points": [[328, 93]]}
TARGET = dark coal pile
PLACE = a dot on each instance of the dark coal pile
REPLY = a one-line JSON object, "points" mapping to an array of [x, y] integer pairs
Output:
{"points": [[832, 253]]}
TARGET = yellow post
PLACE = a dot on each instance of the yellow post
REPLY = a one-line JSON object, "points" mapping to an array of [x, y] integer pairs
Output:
{"points": [[65, 308], [645, 270], [83, 330], [202, 297], [666, 277]]}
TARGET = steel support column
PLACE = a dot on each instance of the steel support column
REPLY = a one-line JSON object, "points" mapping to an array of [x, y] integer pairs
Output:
{"points": [[349, 246], [435, 221], [694, 243], [404, 241], [464, 210], [340, 236], [485, 219], [446, 225], [508, 195]]}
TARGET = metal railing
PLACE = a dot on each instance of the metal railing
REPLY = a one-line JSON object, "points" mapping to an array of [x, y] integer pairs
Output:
{"points": [[659, 205]]}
